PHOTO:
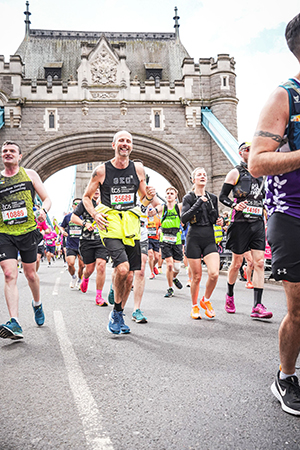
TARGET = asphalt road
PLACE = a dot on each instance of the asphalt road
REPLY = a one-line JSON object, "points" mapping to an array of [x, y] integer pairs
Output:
{"points": [[172, 384]]}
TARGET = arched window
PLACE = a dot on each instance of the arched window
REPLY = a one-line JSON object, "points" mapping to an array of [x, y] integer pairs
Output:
{"points": [[157, 120], [51, 119]]}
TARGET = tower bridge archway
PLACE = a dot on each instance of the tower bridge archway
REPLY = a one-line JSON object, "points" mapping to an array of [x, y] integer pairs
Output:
{"points": [[80, 148]]}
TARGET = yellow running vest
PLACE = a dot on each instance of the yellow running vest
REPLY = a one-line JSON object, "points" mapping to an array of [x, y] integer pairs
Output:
{"points": [[16, 203]]}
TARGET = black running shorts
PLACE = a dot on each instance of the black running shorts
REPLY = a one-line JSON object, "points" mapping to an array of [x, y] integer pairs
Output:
{"points": [[283, 236], [120, 253], [153, 244], [72, 252], [200, 242], [244, 236], [41, 250], [26, 244], [51, 249], [171, 250], [90, 250]]}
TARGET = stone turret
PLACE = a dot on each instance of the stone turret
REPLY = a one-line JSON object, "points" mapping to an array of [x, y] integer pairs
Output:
{"points": [[218, 90]]}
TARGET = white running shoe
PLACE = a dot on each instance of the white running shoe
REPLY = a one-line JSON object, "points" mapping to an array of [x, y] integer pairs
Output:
{"points": [[73, 283], [77, 284]]}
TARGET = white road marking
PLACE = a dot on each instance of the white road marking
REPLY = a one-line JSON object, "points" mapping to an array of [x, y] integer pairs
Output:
{"points": [[55, 289], [96, 437]]}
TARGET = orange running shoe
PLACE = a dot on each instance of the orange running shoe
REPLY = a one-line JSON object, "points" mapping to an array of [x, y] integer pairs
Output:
{"points": [[249, 285], [209, 311], [195, 313]]}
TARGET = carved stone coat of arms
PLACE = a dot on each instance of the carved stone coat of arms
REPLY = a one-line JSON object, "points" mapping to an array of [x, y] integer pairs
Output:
{"points": [[104, 69]]}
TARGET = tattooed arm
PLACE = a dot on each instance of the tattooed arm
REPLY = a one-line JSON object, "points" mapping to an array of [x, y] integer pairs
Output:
{"points": [[268, 137], [97, 178]]}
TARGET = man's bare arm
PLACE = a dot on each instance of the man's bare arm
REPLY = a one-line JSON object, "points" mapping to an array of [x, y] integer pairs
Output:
{"points": [[263, 158], [41, 191]]}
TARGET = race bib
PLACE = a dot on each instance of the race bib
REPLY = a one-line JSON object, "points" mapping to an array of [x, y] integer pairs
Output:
{"points": [[253, 210], [14, 213], [122, 197], [74, 230], [169, 239], [152, 231]]}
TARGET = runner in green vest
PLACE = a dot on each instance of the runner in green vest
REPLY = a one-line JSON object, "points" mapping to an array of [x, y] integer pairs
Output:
{"points": [[170, 239], [18, 233]]}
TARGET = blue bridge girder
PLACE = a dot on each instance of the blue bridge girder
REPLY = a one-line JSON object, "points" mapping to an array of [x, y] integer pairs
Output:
{"points": [[224, 139]]}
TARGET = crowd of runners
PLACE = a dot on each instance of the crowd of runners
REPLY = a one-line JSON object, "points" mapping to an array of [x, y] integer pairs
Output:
{"points": [[120, 218]]}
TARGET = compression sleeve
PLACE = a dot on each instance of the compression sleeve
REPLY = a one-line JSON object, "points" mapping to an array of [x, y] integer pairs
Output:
{"points": [[226, 189]]}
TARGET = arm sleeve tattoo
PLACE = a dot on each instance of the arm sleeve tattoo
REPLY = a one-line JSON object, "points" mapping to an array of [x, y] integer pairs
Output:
{"points": [[275, 137]]}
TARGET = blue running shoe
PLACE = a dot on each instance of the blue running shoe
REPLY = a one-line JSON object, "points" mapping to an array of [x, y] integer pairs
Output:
{"points": [[114, 324], [11, 330], [39, 315], [138, 316], [111, 295], [124, 328]]}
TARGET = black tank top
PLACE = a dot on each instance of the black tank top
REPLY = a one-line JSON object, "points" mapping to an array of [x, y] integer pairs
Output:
{"points": [[120, 186], [250, 189]]}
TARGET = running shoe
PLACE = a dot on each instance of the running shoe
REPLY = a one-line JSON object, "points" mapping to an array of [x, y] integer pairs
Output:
{"points": [[188, 284], [177, 283], [39, 315], [249, 285], [77, 284], [261, 312], [287, 393], [111, 295], [100, 301], [229, 304], [195, 313], [114, 324], [138, 316], [73, 283], [152, 276], [124, 328], [11, 330], [169, 293], [160, 270], [209, 311], [84, 284], [155, 270]]}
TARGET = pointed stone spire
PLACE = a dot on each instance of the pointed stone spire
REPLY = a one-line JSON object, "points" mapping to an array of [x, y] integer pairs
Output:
{"points": [[176, 26], [27, 21]]}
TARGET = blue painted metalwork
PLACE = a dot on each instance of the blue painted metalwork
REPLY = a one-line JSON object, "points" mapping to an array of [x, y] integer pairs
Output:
{"points": [[227, 143], [1, 116]]}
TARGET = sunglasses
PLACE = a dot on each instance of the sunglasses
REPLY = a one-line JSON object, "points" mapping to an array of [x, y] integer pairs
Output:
{"points": [[245, 149], [75, 203]]}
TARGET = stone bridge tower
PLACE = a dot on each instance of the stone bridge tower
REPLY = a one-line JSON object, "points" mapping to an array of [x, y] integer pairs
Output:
{"points": [[65, 94]]}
